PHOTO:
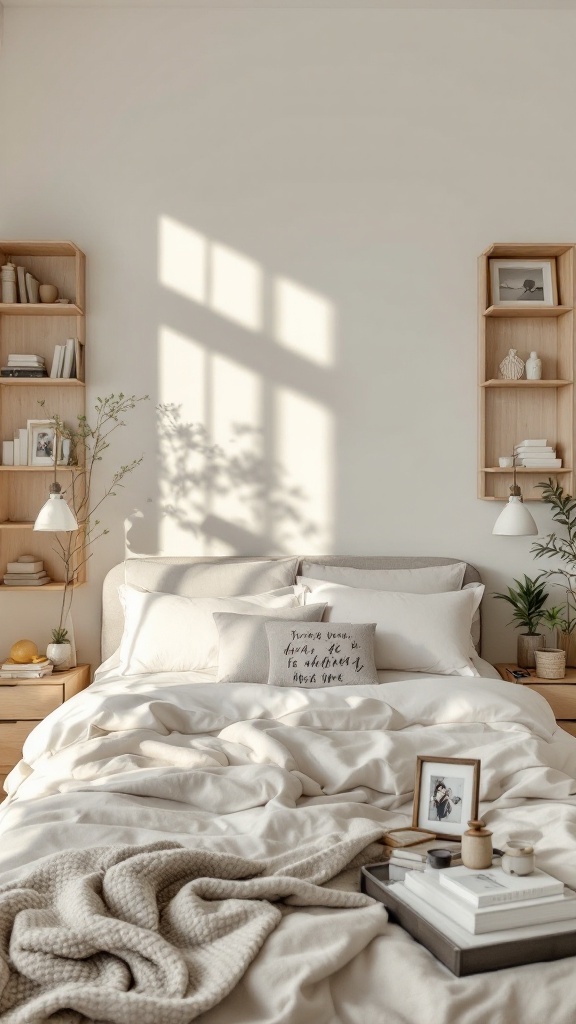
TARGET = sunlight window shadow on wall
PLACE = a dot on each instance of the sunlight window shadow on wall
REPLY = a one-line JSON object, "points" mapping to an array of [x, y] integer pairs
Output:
{"points": [[246, 462]]}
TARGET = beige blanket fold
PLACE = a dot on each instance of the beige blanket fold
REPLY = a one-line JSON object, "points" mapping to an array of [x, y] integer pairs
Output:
{"points": [[148, 934]]}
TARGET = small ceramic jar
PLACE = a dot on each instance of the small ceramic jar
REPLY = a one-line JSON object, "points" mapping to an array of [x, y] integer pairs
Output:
{"points": [[518, 858], [477, 846]]}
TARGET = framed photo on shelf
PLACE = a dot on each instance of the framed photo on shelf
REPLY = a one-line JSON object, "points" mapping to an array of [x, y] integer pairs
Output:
{"points": [[41, 440], [445, 795], [523, 283]]}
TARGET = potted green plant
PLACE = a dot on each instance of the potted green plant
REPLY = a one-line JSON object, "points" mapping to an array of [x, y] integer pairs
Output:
{"points": [[527, 600], [562, 618], [88, 445]]}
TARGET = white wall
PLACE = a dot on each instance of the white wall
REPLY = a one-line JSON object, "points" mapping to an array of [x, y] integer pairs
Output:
{"points": [[282, 213]]}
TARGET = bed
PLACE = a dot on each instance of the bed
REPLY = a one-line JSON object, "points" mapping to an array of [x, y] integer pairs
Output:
{"points": [[163, 793]]}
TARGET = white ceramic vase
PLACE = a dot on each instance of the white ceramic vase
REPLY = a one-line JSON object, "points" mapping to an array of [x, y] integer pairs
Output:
{"points": [[60, 656], [533, 367]]}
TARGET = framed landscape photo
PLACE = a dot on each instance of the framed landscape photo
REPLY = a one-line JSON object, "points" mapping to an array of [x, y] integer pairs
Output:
{"points": [[445, 795], [41, 441], [523, 283]]}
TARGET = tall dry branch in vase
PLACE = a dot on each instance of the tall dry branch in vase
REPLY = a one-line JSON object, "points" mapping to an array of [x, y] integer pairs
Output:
{"points": [[89, 444]]}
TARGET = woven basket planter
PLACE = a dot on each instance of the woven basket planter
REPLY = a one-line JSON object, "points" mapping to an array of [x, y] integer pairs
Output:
{"points": [[551, 664]]}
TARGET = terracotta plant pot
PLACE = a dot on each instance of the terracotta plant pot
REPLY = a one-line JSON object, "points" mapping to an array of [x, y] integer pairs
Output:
{"points": [[528, 644]]}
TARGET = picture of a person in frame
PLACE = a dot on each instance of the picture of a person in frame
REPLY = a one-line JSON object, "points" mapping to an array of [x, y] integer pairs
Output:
{"points": [[445, 799]]}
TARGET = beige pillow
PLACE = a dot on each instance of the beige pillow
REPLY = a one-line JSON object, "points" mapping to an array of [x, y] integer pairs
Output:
{"points": [[414, 632], [433, 579], [211, 578], [169, 633], [243, 648], [327, 654]]}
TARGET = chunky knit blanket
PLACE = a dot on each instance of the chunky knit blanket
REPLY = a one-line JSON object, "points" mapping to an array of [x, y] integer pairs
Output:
{"points": [[149, 934]]}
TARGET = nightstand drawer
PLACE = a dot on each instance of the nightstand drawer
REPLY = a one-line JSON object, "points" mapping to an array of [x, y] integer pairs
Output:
{"points": [[560, 696], [30, 701], [12, 736]]}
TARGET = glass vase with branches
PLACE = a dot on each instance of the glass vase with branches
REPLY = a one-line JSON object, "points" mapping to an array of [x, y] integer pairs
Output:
{"points": [[88, 446]]}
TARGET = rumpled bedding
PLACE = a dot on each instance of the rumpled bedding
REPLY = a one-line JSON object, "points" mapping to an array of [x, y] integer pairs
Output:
{"points": [[258, 772]]}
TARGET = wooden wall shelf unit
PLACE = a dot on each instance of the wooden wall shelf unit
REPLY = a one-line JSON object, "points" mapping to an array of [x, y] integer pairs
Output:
{"points": [[510, 411], [37, 328]]}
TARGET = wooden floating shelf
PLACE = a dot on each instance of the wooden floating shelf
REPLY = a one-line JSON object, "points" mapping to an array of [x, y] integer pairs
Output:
{"points": [[40, 309], [10, 525], [525, 469], [41, 382], [38, 469], [527, 311], [46, 586], [526, 383]]}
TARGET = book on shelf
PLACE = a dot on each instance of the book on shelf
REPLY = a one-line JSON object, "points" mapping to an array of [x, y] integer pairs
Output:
{"points": [[23, 371], [27, 583], [25, 575], [479, 920], [68, 360], [23, 439], [528, 450], [492, 886], [21, 278], [32, 288], [36, 565], [56, 360], [541, 463], [16, 443], [24, 359], [7, 453], [22, 672], [529, 443], [12, 666]]}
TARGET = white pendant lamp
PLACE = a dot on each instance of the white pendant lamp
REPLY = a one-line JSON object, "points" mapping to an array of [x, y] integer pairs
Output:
{"points": [[515, 519], [56, 516]]}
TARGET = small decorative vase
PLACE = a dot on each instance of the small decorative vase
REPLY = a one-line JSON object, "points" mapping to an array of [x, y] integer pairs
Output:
{"points": [[477, 846], [512, 367], [48, 292], [528, 644], [8, 277], [59, 655], [533, 367], [551, 663]]}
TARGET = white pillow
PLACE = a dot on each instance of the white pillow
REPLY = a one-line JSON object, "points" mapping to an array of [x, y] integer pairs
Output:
{"points": [[321, 654], [169, 633], [434, 579], [243, 650], [414, 632]]}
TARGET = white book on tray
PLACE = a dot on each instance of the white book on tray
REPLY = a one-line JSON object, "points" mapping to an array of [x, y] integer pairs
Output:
{"points": [[466, 940], [492, 886], [479, 920]]}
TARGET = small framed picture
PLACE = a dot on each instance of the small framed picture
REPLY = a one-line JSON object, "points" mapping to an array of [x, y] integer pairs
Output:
{"points": [[41, 440], [446, 795], [523, 283]]}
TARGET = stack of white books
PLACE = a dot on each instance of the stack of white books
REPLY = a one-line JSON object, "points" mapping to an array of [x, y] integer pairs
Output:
{"points": [[413, 858], [537, 454], [23, 364], [66, 359], [31, 670], [481, 902], [26, 573]]}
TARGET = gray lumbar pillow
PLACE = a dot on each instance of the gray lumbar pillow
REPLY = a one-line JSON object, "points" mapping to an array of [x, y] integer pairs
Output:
{"points": [[327, 654], [243, 647]]}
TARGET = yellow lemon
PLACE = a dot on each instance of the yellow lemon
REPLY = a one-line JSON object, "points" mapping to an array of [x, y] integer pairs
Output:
{"points": [[23, 651]]}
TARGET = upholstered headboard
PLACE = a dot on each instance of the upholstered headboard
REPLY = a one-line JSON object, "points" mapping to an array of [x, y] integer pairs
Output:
{"points": [[113, 615]]}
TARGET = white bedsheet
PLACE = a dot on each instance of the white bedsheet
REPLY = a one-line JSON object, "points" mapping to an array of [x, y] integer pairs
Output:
{"points": [[260, 770]]}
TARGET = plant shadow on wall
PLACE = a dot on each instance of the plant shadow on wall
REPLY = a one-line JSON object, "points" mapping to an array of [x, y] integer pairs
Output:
{"points": [[235, 498]]}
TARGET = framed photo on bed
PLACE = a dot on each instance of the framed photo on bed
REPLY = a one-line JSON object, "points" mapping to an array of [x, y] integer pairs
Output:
{"points": [[445, 795], [523, 282]]}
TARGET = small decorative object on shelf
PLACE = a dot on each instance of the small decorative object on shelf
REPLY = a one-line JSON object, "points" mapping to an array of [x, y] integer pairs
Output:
{"points": [[551, 663], [511, 367], [527, 600], [533, 367], [518, 858], [27, 571], [477, 846], [48, 292], [520, 282], [8, 276], [506, 461]]}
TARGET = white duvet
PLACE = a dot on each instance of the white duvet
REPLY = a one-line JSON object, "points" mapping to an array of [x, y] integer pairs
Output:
{"points": [[259, 771]]}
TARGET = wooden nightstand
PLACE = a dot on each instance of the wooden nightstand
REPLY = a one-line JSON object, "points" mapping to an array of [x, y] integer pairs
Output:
{"points": [[25, 702], [560, 693]]}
